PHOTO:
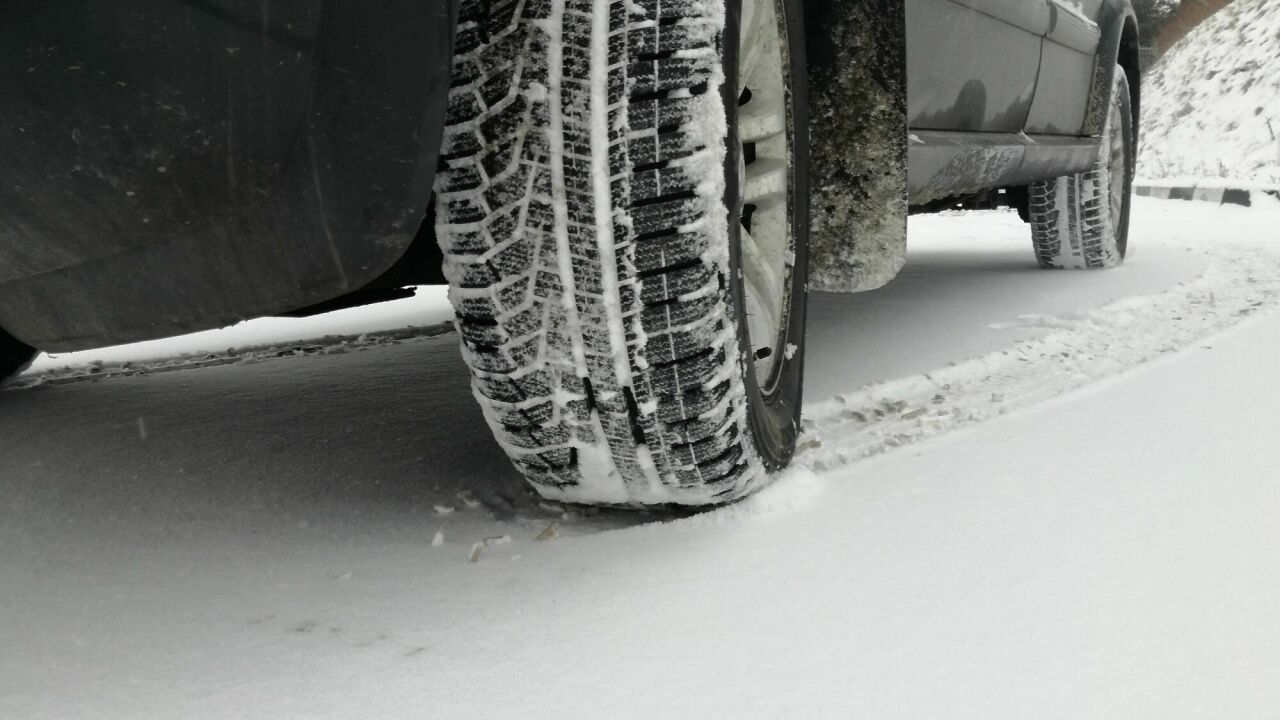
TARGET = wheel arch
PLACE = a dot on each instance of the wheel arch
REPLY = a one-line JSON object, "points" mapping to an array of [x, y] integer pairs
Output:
{"points": [[1118, 48]]}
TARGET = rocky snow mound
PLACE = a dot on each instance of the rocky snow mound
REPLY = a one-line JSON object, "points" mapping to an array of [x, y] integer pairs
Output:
{"points": [[1212, 104]]}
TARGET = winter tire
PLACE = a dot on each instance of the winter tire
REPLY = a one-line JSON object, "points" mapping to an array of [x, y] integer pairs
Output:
{"points": [[1082, 221], [623, 212], [15, 356]]}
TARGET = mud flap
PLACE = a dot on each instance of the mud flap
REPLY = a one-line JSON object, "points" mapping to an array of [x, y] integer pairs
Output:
{"points": [[858, 136]]}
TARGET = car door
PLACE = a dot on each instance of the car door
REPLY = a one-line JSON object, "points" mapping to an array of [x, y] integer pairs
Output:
{"points": [[972, 64], [1066, 68]]}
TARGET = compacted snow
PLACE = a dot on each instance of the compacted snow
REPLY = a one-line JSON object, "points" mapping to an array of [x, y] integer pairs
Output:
{"points": [[1070, 513]]}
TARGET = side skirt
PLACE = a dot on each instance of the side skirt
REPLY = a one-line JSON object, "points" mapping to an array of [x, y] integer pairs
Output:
{"points": [[949, 164]]}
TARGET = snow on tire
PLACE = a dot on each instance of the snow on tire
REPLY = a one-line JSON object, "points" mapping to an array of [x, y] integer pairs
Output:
{"points": [[1082, 220], [590, 250]]}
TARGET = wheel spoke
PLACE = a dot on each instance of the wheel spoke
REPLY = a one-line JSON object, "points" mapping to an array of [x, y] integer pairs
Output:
{"points": [[766, 182], [760, 121]]}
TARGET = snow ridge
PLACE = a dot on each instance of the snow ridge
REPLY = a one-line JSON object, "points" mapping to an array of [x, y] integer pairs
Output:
{"points": [[1079, 349]]}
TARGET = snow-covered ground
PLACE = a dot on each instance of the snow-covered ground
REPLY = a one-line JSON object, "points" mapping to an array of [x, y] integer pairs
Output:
{"points": [[1070, 513], [1211, 107]]}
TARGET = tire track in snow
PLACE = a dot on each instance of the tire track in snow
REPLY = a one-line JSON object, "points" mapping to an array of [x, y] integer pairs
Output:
{"points": [[1074, 351]]}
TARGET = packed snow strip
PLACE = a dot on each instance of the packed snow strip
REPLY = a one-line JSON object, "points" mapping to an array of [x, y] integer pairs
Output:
{"points": [[428, 307], [327, 345], [1242, 278]]}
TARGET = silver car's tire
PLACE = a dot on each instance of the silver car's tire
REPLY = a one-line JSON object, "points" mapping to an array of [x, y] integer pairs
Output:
{"points": [[618, 207], [1082, 220]]}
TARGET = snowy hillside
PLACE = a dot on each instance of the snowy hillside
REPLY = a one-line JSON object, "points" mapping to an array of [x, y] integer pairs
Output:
{"points": [[1208, 103]]}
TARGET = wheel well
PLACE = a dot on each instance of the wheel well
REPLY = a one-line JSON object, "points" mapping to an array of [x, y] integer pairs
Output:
{"points": [[1130, 60]]}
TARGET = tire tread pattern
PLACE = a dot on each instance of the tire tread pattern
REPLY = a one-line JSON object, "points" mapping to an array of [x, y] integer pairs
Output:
{"points": [[535, 277], [1071, 224]]}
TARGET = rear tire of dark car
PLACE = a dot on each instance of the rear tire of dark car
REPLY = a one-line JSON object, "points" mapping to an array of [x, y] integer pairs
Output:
{"points": [[1082, 220], [15, 356], [618, 218]]}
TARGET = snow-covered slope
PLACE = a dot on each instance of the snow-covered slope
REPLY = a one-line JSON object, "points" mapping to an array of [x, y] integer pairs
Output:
{"points": [[1208, 103]]}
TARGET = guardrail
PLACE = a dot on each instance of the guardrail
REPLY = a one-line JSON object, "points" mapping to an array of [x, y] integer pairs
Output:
{"points": [[1221, 195]]}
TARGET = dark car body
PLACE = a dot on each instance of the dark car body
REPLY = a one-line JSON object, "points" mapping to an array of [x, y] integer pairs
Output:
{"points": [[175, 165]]}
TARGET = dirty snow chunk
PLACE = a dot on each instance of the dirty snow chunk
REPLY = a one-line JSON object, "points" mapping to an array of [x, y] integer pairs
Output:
{"points": [[438, 540], [443, 509], [551, 533], [790, 350], [498, 540], [476, 550], [859, 240]]}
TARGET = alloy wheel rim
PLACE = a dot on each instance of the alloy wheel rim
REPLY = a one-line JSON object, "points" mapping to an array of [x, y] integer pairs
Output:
{"points": [[764, 174]]}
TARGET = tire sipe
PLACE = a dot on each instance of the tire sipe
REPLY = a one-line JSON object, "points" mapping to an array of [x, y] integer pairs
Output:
{"points": [[623, 212]]}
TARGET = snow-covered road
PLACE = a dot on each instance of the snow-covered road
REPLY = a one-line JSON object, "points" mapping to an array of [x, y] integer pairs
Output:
{"points": [[1075, 517]]}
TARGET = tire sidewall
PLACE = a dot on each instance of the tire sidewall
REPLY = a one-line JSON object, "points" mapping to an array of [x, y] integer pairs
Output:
{"points": [[773, 418], [1122, 99]]}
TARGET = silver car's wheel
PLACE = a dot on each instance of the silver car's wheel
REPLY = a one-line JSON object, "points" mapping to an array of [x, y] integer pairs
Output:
{"points": [[1082, 220], [619, 224]]}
